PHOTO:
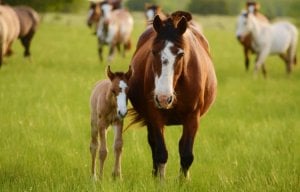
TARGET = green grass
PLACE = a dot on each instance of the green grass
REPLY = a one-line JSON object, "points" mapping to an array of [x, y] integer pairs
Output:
{"points": [[249, 140]]}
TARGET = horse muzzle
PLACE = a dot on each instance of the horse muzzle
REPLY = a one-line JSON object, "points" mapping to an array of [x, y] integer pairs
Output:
{"points": [[164, 101]]}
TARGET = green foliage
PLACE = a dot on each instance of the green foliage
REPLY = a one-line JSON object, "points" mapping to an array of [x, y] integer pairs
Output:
{"points": [[138, 5], [209, 7], [51, 5], [248, 141]]}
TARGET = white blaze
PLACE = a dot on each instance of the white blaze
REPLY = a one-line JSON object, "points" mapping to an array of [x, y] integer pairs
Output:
{"points": [[164, 82], [121, 99]]}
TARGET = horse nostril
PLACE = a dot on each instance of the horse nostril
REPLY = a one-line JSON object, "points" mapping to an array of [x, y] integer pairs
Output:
{"points": [[238, 37], [169, 100], [156, 99]]}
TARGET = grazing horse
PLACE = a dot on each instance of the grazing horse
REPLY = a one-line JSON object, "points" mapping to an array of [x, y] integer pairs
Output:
{"points": [[278, 38], [108, 107], [9, 30], [173, 83], [247, 41], [29, 20], [114, 30]]}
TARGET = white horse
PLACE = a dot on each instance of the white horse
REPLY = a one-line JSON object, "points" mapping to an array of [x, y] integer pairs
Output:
{"points": [[278, 38], [114, 29]]}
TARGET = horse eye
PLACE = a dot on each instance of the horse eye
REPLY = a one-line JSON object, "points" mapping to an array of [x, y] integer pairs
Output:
{"points": [[155, 53], [181, 54]]}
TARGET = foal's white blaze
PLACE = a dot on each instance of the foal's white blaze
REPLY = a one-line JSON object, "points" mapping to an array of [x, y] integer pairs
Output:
{"points": [[121, 100]]}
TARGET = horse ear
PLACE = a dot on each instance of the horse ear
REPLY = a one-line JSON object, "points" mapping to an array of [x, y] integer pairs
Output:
{"points": [[182, 25], [110, 74], [157, 23], [128, 73]]}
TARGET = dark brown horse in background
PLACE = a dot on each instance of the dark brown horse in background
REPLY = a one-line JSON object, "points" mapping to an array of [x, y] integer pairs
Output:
{"points": [[253, 7], [29, 21], [17, 22], [173, 83]]}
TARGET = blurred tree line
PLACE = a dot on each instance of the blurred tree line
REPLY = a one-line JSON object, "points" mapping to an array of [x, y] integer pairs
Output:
{"points": [[271, 8]]}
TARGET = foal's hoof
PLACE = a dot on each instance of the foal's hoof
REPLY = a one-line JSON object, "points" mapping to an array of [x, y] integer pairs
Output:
{"points": [[94, 178], [117, 176]]}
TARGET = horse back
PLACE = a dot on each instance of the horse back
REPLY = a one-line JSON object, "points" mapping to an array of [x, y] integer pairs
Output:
{"points": [[11, 19], [29, 19], [98, 97]]}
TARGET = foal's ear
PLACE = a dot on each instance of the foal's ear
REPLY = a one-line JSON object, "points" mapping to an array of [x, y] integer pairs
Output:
{"points": [[110, 74], [182, 25], [128, 73], [157, 23]]}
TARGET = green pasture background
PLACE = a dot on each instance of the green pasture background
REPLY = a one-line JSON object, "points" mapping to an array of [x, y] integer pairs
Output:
{"points": [[248, 141]]}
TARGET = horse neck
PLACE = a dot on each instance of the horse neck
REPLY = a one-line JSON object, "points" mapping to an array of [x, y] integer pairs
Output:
{"points": [[257, 28], [110, 99]]}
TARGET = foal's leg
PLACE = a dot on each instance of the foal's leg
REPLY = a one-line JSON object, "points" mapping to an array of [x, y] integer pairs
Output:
{"points": [[159, 151], [186, 143], [103, 148], [93, 147], [118, 145]]}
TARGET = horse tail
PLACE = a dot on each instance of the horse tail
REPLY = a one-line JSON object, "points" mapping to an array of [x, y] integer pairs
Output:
{"points": [[136, 118]]}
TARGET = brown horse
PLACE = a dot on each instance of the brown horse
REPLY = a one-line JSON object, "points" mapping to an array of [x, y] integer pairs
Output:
{"points": [[9, 30], [108, 107], [173, 83], [94, 12], [29, 20], [114, 30], [247, 42]]}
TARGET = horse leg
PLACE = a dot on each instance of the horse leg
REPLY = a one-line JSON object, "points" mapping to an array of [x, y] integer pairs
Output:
{"points": [[26, 43], [93, 147], [246, 53], [103, 148], [111, 52], [100, 50], [159, 151], [118, 145], [186, 143], [9, 51], [261, 57]]}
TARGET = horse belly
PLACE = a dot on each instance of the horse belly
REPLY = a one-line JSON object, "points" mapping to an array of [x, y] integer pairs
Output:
{"points": [[281, 38]]}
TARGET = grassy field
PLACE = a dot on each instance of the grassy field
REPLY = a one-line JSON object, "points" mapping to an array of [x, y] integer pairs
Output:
{"points": [[249, 140]]}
